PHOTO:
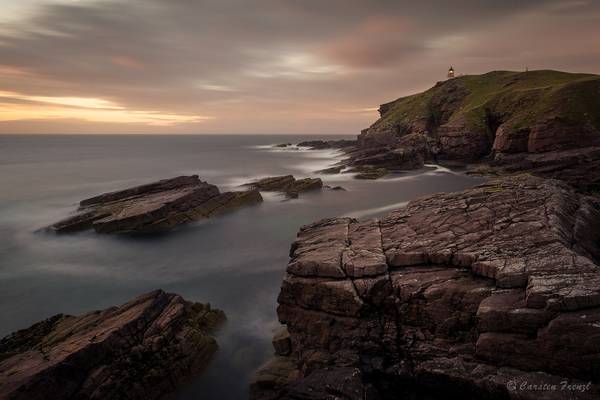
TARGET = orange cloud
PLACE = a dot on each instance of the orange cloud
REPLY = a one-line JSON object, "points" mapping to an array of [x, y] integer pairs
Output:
{"points": [[82, 108]]}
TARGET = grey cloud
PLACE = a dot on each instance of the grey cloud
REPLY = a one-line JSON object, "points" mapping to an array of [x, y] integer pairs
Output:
{"points": [[166, 54]]}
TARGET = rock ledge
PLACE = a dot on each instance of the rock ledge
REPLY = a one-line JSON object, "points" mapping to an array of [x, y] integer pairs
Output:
{"points": [[458, 293], [144, 348], [154, 207]]}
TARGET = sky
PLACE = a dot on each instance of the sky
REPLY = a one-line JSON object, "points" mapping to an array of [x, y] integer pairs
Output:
{"points": [[263, 66]]}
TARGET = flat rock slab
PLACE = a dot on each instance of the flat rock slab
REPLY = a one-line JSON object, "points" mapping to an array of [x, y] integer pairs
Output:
{"points": [[144, 348], [154, 207], [286, 184], [461, 292]]}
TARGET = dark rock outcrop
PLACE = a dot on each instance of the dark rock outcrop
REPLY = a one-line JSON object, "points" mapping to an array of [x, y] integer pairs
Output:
{"points": [[286, 184], [331, 170], [154, 207], [327, 144], [368, 172], [576, 166], [476, 294], [143, 349]]}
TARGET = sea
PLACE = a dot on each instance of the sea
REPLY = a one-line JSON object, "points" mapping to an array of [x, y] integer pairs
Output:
{"points": [[235, 262]]}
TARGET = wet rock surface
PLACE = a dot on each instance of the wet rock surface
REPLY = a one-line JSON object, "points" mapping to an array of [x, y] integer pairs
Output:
{"points": [[154, 207], [465, 294], [143, 349], [331, 170], [286, 184]]}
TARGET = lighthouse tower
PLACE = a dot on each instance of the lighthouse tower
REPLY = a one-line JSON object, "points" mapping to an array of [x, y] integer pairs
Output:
{"points": [[451, 73]]}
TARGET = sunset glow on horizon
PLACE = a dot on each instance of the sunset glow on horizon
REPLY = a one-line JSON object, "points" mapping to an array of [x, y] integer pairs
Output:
{"points": [[162, 66], [85, 109]]}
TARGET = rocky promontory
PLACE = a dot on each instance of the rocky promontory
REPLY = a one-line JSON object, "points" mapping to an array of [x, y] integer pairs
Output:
{"points": [[143, 349], [154, 207], [544, 122], [487, 293]]}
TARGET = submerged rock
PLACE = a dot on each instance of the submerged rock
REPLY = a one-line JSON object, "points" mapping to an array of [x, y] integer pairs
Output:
{"points": [[368, 172], [337, 188], [461, 294], [154, 207], [143, 349], [286, 184], [331, 170]]}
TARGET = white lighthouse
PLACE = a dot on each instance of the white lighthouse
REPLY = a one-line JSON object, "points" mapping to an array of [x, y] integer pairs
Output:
{"points": [[451, 73]]}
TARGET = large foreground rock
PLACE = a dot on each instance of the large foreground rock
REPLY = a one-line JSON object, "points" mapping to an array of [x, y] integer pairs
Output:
{"points": [[465, 294], [141, 350], [154, 207]]}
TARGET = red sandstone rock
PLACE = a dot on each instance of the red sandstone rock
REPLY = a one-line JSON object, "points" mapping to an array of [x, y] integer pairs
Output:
{"points": [[500, 119], [144, 348], [154, 207], [460, 293]]}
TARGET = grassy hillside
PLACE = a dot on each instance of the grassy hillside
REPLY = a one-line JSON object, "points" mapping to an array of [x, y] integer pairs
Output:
{"points": [[513, 100]]}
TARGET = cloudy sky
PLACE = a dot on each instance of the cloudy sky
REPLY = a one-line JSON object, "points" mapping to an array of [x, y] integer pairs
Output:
{"points": [[262, 66]]}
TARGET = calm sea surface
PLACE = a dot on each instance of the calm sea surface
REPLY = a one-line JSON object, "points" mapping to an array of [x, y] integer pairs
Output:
{"points": [[235, 262]]}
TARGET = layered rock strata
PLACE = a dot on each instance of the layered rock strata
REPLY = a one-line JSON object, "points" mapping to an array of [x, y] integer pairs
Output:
{"points": [[543, 122], [154, 207], [471, 294], [143, 349]]}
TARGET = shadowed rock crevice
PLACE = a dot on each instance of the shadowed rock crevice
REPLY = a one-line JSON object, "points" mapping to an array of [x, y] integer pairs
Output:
{"points": [[462, 292]]}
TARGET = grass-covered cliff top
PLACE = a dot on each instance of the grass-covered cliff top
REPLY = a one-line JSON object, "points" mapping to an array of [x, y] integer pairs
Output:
{"points": [[515, 99]]}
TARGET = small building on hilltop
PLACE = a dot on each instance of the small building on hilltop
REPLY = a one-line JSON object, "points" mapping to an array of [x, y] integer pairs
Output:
{"points": [[451, 73]]}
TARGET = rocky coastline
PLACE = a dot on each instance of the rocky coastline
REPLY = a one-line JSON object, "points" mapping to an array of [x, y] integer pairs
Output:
{"points": [[165, 204], [542, 122], [457, 294], [143, 349], [154, 207], [490, 293]]}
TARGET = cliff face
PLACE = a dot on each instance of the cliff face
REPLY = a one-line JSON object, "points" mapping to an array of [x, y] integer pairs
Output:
{"points": [[503, 117], [505, 111], [457, 294]]}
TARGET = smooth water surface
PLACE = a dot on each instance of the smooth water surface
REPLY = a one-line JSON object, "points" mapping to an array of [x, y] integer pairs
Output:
{"points": [[235, 262]]}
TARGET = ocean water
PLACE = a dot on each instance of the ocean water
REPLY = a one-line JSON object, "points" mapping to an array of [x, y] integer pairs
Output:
{"points": [[235, 262]]}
